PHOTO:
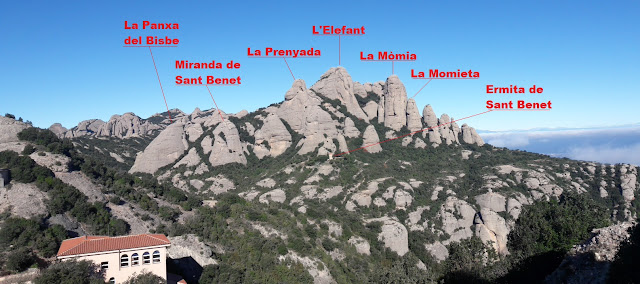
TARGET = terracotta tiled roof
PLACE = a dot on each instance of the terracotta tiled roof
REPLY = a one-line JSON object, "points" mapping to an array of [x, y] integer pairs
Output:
{"points": [[92, 244]]}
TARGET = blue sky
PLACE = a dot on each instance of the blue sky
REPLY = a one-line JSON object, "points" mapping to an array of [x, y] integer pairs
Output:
{"points": [[64, 62]]}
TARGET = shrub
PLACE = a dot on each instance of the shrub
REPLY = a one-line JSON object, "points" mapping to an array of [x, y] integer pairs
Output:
{"points": [[328, 244], [556, 225], [20, 259], [115, 200], [145, 278], [47, 138], [28, 150], [71, 272]]}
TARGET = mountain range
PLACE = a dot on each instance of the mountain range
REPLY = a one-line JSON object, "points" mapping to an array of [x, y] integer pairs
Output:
{"points": [[305, 188]]}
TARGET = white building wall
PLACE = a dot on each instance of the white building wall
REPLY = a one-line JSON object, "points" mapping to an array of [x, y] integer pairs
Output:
{"points": [[121, 274]]}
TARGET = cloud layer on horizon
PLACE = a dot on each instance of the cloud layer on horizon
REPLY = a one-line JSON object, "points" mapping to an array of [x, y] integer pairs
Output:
{"points": [[605, 145]]}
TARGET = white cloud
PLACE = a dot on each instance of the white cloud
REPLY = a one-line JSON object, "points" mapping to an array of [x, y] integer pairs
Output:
{"points": [[507, 140], [606, 145], [606, 154]]}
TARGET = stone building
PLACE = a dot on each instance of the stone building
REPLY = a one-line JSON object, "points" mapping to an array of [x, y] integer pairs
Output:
{"points": [[120, 257]]}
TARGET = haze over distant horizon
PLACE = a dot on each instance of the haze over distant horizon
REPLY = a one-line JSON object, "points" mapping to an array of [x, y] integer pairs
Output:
{"points": [[65, 62]]}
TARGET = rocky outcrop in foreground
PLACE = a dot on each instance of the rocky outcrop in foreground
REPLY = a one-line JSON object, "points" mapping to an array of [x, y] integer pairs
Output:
{"points": [[590, 261]]}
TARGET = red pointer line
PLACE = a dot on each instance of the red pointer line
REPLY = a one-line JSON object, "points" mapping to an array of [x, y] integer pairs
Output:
{"points": [[285, 61], [165, 98], [418, 131], [214, 102], [421, 88]]}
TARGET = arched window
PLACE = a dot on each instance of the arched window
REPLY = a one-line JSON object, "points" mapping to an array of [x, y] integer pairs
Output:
{"points": [[146, 258], [135, 259], [124, 260], [156, 257], [112, 280]]}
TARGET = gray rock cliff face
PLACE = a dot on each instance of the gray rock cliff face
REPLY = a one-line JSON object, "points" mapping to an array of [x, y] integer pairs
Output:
{"points": [[125, 126], [359, 90], [429, 117], [301, 110], [165, 149], [228, 149], [493, 201], [275, 134], [350, 129], [431, 121], [370, 137], [493, 228], [414, 122], [120, 126], [394, 235], [298, 102], [445, 129], [395, 103], [470, 136], [9, 129], [371, 109], [336, 84], [456, 130], [457, 217], [58, 129], [381, 110], [86, 127], [628, 179]]}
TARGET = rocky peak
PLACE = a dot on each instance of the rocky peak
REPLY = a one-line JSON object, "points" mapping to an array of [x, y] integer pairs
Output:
{"points": [[9, 129], [590, 261], [125, 126], [370, 138], [298, 100], [163, 150], [85, 127], [359, 90], [196, 112], [395, 103], [414, 122], [298, 87], [429, 117], [470, 136], [58, 129], [226, 146], [336, 84]]}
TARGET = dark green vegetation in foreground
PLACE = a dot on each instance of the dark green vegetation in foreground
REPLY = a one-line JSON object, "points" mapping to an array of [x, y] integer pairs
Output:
{"points": [[23, 242], [71, 272]]}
